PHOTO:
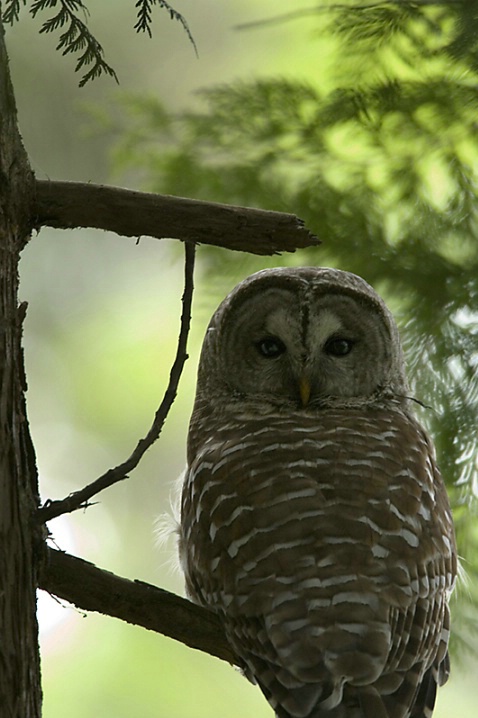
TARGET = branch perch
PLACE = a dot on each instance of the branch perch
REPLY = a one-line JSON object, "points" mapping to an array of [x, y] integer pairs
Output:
{"points": [[93, 589], [79, 499], [65, 205]]}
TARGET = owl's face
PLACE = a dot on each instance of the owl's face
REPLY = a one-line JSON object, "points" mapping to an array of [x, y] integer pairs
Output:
{"points": [[302, 337]]}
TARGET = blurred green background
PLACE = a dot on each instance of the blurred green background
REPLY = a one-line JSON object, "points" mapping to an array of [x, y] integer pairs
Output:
{"points": [[103, 313]]}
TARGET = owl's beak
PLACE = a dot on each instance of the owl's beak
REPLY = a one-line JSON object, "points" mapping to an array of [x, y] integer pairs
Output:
{"points": [[304, 389]]}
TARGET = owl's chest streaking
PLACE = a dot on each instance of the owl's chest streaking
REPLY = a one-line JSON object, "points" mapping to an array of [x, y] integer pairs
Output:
{"points": [[338, 492], [330, 531]]}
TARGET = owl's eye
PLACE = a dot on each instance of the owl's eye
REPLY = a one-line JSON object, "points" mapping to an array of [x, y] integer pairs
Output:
{"points": [[270, 347], [338, 346]]}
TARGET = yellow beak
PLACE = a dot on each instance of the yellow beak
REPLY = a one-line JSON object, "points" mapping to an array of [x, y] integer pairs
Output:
{"points": [[304, 390]]}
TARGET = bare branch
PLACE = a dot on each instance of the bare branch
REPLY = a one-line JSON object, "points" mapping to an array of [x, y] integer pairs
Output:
{"points": [[73, 204], [80, 499], [93, 589], [335, 7]]}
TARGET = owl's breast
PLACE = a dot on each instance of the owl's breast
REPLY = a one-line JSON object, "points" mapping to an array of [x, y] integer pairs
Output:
{"points": [[334, 498], [322, 531]]}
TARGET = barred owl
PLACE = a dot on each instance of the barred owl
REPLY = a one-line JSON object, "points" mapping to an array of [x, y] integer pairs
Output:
{"points": [[314, 520]]}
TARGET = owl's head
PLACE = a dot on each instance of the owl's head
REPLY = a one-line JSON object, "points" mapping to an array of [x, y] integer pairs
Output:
{"points": [[303, 337]]}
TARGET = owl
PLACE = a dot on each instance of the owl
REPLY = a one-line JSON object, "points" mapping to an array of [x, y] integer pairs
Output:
{"points": [[314, 521]]}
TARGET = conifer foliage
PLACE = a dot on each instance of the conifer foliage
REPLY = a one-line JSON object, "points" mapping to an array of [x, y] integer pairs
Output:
{"points": [[380, 158], [69, 18]]}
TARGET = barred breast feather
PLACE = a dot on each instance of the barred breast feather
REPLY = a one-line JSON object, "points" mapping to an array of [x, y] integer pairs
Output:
{"points": [[325, 543]]}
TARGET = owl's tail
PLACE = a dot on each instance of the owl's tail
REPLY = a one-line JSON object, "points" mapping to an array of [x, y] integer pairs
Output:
{"points": [[366, 701]]}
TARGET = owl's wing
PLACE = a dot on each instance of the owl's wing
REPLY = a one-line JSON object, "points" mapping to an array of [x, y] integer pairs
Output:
{"points": [[420, 633]]}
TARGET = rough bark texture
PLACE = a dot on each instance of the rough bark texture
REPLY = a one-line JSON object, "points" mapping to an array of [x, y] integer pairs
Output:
{"points": [[20, 691], [74, 204]]}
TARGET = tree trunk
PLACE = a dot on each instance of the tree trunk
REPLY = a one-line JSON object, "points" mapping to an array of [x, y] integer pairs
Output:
{"points": [[20, 541]]}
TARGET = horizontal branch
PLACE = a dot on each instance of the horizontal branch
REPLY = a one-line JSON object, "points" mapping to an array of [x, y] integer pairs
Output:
{"points": [[75, 204], [92, 589]]}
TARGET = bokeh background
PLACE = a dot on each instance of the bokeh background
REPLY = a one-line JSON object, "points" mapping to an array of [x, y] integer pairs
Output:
{"points": [[101, 333]]}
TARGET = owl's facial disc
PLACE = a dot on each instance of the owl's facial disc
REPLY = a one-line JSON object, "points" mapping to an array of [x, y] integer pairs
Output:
{"points": [[303, 347]]}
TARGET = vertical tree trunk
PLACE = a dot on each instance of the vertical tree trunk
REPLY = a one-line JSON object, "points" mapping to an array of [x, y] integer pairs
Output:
{"points": [[20, 691]]}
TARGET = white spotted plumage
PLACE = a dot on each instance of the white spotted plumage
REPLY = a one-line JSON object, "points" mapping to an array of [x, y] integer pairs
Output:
{"points": [[314, 521]]}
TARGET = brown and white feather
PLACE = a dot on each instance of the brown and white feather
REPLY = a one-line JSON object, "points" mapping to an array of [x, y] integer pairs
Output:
{"points": [[321, 534]]}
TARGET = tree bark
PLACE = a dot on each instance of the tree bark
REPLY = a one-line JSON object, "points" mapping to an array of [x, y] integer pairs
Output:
{"points": [[258, 231], [93, 589], [20, 690]]}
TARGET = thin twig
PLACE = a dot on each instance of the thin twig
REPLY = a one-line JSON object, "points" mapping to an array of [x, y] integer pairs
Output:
{"points": [[334, 7], [280, 18], [80, 499]]}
